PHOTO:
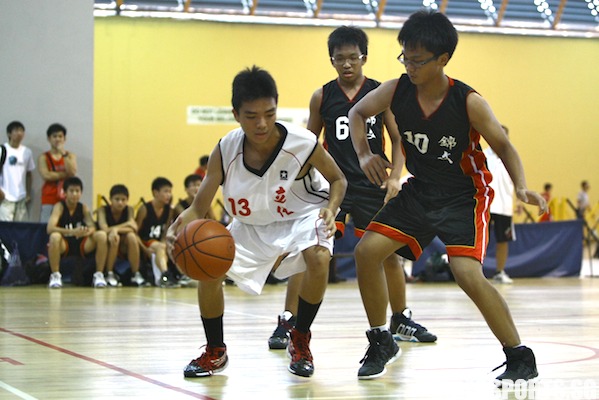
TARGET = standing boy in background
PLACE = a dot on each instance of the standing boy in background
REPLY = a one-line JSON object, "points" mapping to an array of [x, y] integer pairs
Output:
{"points": [[329, 107], [55, 166], [117, 219], [73, 233], [502, 209], [15, 175], [153, 219], [202, 166], [441, 121]]}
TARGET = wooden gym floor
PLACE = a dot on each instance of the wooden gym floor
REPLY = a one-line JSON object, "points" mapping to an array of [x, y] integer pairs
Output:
{"points": [[85, 343]]}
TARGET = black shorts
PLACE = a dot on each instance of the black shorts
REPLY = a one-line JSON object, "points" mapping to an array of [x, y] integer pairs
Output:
{"points": [[75, 246], [503, 228], [420, 212], [362, 206]]}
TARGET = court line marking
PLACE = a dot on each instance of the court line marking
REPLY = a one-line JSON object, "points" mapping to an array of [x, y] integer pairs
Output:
{"points": [[16, 391], [106, 365]]}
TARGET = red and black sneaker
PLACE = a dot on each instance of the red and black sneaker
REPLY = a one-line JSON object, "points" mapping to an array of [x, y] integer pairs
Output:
{"points": [[299, 352], [280, 337], [213, 360]]}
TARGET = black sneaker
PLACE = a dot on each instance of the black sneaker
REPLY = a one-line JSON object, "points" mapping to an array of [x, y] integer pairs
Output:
{"points": [[520, 364], [405, 329], [382, 350], [213, 360], [300, 354], [280, 337]]}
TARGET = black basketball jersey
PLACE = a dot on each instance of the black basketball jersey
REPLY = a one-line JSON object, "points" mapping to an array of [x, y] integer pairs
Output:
{"points": [[334, 111], [110, 221], [71, 221], [184, 203], [153, 227], [443, 149]]}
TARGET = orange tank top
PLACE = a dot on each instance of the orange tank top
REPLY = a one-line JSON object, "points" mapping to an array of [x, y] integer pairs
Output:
{"points": [[52, 191]]}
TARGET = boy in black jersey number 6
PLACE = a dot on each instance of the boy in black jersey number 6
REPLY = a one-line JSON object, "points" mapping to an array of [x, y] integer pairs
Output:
{"points": [[440, 121]]}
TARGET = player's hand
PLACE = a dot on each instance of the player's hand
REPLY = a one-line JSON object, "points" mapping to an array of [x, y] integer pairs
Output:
{"points": [[113, 236], [392, 186], [329, 219], [530, 197], [82, 231], [171, 236], [375, 167]]}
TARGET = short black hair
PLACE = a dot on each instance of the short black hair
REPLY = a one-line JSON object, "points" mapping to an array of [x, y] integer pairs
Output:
{"points": [[56, 128], [119, 189], [189, 179], [204, 160], [13, 126], [548, 186], [348, 35], [72, 181], [160, 182], [253, 84], [431, 30]]}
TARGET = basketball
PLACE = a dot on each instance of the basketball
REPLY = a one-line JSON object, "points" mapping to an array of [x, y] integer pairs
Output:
{"points": [[204, 250]]}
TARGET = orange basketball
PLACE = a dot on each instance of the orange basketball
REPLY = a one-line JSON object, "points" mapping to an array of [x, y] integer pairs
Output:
{"points": [[204, 250]]}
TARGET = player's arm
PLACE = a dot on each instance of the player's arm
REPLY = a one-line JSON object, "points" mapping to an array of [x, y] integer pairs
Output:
{"points": [[375, 102], [47, 174], [102, 224], [315, 122], [484, 121], [52, 225], [90, 226], [130, 225], [203, 199], [324, 163], [70, 164], [392, 184]]}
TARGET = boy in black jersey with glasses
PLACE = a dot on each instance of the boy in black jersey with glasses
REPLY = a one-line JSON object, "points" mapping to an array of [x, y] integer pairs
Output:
{"points": [[440, 121]]}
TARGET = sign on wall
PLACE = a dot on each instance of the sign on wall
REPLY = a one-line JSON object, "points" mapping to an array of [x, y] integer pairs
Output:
{"points": [[212, 115]]}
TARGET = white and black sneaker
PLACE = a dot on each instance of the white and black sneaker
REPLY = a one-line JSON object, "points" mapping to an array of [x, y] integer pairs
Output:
{"points": [[404, 328]]}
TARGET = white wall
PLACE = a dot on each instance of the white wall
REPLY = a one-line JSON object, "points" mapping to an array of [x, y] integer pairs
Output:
{"points": [[46, 76]]}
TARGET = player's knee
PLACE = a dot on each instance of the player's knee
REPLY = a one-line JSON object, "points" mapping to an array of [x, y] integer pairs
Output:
{"points": [[362, 252], [55, 239]]}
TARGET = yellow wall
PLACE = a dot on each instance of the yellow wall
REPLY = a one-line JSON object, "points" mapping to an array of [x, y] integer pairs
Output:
{"points": [[147, 71]]}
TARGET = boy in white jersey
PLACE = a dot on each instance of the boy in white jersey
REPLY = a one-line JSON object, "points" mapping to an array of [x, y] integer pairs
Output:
{"points": [[283, 191]]}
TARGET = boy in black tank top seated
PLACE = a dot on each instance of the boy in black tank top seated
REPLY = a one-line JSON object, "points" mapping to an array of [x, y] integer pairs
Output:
{"points": [[117, 219], [73, 233], [192, 185], [153, 219]]}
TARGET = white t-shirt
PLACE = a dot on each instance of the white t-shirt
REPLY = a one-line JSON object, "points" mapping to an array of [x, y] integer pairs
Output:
{"points": [[13, 180], [502, 185]]}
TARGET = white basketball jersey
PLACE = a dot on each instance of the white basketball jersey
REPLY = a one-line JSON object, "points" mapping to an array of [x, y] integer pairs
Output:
{"points": [[274, 193]]}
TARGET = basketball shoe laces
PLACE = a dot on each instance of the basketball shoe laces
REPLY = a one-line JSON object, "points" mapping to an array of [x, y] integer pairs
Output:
{"points": [[301, 347], [213, 358]]}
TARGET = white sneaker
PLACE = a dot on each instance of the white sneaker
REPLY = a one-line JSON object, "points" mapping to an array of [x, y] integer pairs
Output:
{"points": [[502, 277], [111, 279], [55, 280], [137, 279], [99, 281]]}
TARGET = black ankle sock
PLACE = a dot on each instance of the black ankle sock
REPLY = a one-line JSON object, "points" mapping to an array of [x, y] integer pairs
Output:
{"points": [[213, 327], [306, 313]]}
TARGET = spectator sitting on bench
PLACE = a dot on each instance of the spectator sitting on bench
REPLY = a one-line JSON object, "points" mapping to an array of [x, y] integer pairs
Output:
{"points": [[72, 233]]}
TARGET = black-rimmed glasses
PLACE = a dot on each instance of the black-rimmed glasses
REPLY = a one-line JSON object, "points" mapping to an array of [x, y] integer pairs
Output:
{"points": [[415, 64], [352, 60]]}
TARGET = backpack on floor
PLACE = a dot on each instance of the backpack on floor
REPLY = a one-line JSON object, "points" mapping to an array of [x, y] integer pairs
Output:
{"points": [[15, 273]]}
